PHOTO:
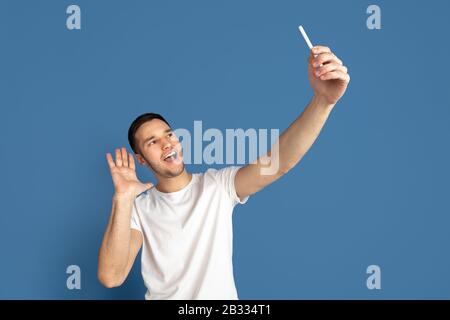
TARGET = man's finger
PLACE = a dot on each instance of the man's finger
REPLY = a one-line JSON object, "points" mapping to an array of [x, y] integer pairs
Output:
{"points": [[328, 68], [335, 75], [118, 158], [324, 58], [110, 160], [320, 49], [124, 157], [131, 161]]}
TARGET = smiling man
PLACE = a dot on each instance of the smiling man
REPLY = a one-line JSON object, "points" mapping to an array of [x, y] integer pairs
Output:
{"points": [[184, 223]]}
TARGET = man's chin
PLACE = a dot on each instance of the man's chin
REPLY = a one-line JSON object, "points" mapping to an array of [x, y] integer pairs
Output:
{"points": [[175, 172]]}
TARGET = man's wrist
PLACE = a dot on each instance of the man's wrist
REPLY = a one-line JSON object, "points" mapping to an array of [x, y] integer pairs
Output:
{"points": [[124, 197], [320, 102]]}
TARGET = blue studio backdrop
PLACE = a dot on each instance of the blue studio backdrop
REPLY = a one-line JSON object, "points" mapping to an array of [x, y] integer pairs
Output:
{"points": [[373, 189]]}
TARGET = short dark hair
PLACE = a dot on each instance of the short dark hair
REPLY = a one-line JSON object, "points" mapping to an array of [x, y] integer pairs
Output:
{"points": [[139, 121]]}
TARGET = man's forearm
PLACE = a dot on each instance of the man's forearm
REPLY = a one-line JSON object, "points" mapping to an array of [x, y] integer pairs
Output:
{"points": [[296, 140], [115, 248]]}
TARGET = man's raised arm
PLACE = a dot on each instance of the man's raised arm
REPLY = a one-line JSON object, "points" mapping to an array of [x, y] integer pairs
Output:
{"points": [[120, 244], [329, 80]]}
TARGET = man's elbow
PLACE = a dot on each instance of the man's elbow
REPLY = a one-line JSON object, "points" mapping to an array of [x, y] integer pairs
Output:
{"points": [[110, 281]]}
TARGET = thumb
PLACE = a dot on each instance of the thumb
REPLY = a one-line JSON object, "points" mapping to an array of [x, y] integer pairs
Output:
{"points": [[148, 185], [143, 187]]}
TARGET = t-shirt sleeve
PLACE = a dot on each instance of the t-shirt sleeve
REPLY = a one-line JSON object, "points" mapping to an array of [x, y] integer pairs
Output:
{"points": [[135, 222], [225, 177]]}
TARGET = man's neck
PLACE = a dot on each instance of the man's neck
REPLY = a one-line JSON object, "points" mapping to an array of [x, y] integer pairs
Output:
{"points": [[174, 184]]}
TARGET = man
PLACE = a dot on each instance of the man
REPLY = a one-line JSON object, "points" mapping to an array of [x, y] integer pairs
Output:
{"points": [[184, 223]]}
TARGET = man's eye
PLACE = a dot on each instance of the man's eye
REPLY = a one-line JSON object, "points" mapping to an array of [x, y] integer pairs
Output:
{"points": [[170, 135], [151, 142]]}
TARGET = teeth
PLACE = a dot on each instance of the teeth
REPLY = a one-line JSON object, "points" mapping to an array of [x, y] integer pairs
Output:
{"points": [[171, 154]]}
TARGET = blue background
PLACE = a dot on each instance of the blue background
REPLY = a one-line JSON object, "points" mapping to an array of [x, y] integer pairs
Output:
{"points": [[372, 190]]}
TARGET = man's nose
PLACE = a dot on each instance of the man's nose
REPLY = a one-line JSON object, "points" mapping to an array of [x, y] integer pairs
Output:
{"points": [[167, 145]]}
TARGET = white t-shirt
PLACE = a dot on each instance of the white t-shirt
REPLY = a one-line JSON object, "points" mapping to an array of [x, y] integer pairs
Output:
{"points": [[188, 238]]}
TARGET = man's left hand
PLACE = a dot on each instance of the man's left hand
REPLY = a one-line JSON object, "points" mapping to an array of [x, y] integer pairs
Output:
{"points": [[327, 74]]}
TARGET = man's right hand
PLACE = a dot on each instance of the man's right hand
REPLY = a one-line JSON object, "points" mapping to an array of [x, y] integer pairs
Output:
{"points": [[123, 173]]}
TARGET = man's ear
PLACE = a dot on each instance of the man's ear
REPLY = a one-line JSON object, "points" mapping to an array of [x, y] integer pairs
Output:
{"points": [[141, 160]]}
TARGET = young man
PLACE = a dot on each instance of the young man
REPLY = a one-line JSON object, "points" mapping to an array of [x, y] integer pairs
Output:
{"points": [[184, 223]]}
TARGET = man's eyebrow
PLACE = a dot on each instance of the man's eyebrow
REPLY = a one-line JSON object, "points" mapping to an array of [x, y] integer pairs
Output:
{"points": [[152, 137]]}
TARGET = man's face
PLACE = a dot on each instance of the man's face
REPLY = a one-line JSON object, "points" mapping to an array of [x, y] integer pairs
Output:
{"points": [[159, 148]]}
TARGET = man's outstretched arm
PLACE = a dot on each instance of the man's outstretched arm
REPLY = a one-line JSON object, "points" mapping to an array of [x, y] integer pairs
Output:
{"points": [[329, 80]]}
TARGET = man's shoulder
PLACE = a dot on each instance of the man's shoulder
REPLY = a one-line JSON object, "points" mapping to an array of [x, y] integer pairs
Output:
{"points": [[222, 173], [216, 171]]}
